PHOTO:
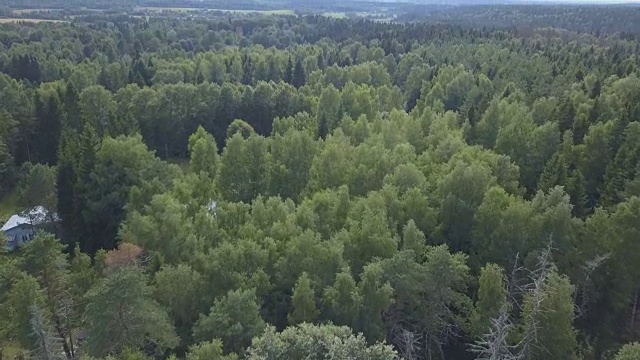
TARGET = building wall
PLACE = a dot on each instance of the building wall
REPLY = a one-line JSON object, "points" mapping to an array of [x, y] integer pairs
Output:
{"points": [[18, 235]]}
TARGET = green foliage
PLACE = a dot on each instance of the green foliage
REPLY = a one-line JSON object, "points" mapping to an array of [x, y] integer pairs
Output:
{"points": [[25, 293], [120, 165], [378, 175], [316, 342], [329, 111], [179, 289], [492, 298], [162, 227], [37, 187], [204, 153], [628, 352], [120, 313], [243, 168], [235, 319], [555, 335], [211, 350], [303, 302], [343, 299]]}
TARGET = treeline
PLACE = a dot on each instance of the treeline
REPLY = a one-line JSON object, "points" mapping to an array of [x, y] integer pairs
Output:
{"points": [[596, 19], [246, 187]]}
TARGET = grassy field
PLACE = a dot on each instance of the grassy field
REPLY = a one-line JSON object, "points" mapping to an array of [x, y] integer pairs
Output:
{"points": [[35, 21]]}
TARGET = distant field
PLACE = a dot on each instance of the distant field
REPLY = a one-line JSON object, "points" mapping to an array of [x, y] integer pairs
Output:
{"points": [[176, 9], [266, 12], [181, 9], [14, 20], [28, 11], [335, 15]]}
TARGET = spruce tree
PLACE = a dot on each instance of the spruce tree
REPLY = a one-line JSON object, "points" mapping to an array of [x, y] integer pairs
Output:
{"points": [[299, 78], [303, 302]]}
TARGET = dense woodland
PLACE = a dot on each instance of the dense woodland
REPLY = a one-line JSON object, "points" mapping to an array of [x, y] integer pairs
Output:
{"points": [[289, 187]]}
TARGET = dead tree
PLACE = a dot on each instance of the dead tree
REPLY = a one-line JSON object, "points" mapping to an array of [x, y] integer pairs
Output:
{"points": [[536, 290], [48, 346], [409, 344], [494, 344]]}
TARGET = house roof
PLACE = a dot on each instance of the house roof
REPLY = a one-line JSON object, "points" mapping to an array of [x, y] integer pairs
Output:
{"points": [[35, 216]]}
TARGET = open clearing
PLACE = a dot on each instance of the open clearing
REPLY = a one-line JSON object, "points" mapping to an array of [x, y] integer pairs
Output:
{"points": [[15, 20], [181, 9]]}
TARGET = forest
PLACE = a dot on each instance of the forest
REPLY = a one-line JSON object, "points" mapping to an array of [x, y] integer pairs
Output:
{"points": [[246, 186]]}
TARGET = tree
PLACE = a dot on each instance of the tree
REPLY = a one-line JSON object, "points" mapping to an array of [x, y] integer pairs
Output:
{"points": [[368, 238], [162, 226], [564, 114], [234, 318], [46, 344], [549, 312], [331, 168], [307, 341], [446, 306], [48, 117], [303, 302], [462, 192], [120, 313], [24, 294], [121, 165], [247, 72], [204, 153], [243, 168], [329, 111], [291, 157], [299, 77], [343, 299], [7, 168], [57, 317], [211, 350], [288, 72], [38, 188], [179, 289], [628, 352], [98, 110], [413, 239], [492, 298], [240, 127], [377, 297], [622, 169], [77, 154]]}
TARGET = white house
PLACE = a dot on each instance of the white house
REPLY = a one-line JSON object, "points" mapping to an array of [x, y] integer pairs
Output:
{"points": [[21, 228]]}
